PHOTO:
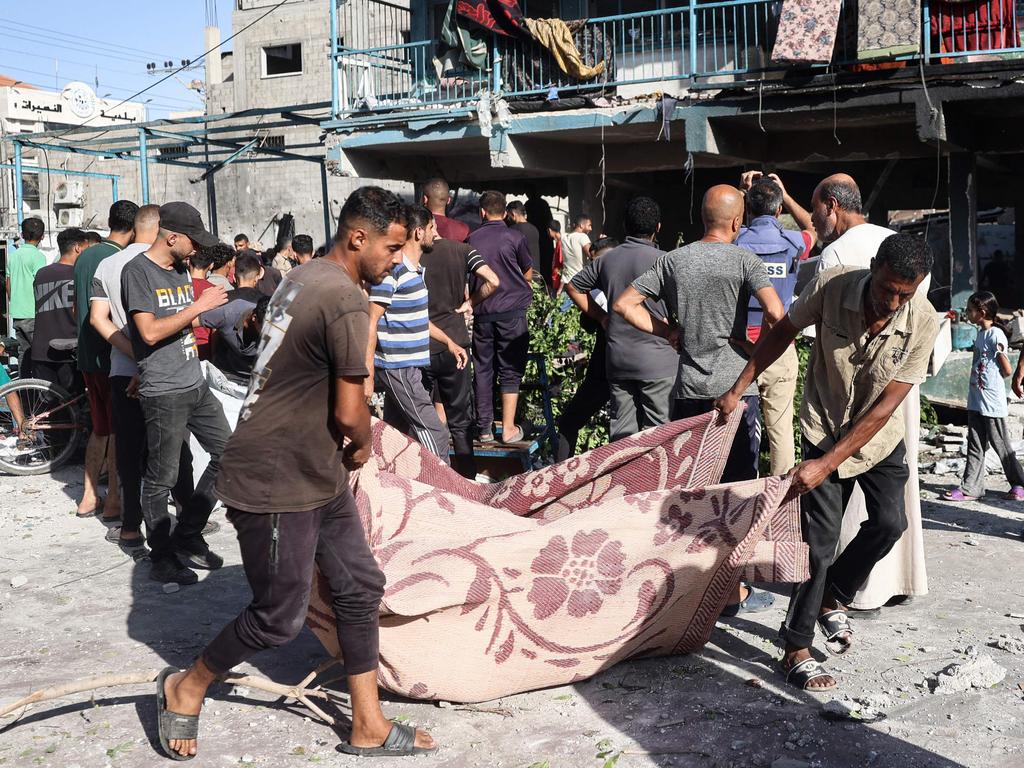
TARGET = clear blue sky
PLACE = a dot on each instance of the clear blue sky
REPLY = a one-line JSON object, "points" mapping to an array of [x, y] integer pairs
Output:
{"points": [[109, 39]]}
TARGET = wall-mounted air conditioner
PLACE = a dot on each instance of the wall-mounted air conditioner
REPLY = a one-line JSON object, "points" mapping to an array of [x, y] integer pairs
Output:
{"points": [[70, 192], [69, 217]]}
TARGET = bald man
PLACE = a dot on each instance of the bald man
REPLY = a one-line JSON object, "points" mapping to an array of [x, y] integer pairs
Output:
{"points": [[853, 242], [708, 286], [436, 196]]}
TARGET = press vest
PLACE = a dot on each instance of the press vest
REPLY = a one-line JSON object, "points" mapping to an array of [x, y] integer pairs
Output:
{"points": [[780, 251]]}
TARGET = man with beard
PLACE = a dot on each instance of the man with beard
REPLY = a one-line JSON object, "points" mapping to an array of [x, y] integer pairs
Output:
{"points": [[312, 351], [875, 337], [400, 335], [853, 242], [157, 293]]}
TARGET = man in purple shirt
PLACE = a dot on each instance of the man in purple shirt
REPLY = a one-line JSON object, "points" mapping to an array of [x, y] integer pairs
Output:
{"points": [[500, 334]]}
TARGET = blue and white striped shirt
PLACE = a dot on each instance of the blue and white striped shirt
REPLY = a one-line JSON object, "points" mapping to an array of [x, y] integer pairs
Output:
{"points": [[403, 332]]}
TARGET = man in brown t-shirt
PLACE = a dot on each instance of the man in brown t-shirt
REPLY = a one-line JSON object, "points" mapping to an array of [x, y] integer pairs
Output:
{"points": [[305, 422]]}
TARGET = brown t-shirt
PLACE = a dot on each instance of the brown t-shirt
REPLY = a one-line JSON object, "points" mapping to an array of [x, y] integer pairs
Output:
{"points": [[285, 454]]}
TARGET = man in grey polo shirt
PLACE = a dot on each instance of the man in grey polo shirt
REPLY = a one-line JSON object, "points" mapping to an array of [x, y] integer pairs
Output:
{"points": [[641, 367]]}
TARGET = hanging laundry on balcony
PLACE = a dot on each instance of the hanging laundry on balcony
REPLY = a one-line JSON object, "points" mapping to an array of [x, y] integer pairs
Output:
{"points": [[555, 35], [472, 49], [502, 16], [807, 31], [985, 25], [888, 28]]}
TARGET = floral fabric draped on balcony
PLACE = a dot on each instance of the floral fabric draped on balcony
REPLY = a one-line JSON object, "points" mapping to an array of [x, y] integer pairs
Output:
{"points": [[554, 575], [807, 31]]}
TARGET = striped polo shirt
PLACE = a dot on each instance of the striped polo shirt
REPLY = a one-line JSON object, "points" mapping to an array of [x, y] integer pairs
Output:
{"points": [[403, 331]]}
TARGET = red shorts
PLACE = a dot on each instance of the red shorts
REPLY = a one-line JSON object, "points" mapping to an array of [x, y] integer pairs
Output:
{"points": [[98, 388]]}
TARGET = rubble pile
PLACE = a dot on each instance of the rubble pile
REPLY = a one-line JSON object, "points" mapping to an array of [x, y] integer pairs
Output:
{"points": [[943, 451]]}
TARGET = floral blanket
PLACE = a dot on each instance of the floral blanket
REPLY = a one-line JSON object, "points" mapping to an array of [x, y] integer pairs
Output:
{"points": [[551, 576]]}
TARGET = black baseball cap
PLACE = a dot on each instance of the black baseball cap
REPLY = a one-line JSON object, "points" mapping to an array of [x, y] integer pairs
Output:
{"points": [[185, 220]]}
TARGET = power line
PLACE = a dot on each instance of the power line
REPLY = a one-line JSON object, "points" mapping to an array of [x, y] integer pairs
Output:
{"points": [[112, 88], [86, 47], [77, 38], [169, 75], [90, 64]]}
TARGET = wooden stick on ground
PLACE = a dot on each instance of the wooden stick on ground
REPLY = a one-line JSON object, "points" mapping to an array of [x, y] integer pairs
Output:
{"points": [[300, 693]]}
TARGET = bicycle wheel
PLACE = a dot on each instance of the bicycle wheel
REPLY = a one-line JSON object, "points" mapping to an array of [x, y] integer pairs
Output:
{"points": [[51, 426]]}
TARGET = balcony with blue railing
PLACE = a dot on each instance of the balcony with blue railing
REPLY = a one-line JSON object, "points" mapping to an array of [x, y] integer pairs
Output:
{"points": [[704, 44]]}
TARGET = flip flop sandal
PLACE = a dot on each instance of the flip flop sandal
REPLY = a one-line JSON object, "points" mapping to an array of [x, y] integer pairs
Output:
{"points": [[958, 495], [171, 725], [755, 601], [400, 741], [513, 437], [802, 673], [833, 624]]}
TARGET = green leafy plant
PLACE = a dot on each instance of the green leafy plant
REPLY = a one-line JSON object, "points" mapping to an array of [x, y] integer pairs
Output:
{"points": [[558, 338]]}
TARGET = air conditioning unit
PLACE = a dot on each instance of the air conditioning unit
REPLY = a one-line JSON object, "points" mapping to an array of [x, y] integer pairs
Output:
{"points": [[69, 217], [69, 193]]}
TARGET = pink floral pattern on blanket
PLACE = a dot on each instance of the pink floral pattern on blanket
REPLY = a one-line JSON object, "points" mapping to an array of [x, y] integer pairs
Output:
{"points": [[533, 600], [807, 31]]}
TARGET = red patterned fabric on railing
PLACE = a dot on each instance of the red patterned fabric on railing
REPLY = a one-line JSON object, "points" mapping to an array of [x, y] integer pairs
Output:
{"points": [[988, 25]]}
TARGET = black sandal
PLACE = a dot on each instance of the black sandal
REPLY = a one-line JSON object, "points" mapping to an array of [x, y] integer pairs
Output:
{"points": [[171, 725], [803, 672], [401, 741], [833, 625]]}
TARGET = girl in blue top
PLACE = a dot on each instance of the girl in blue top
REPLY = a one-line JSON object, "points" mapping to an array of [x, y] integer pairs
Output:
{"points": [[986, 405]]}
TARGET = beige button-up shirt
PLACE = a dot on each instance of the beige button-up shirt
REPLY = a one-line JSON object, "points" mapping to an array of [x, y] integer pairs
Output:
{"points": [[848, 369]]}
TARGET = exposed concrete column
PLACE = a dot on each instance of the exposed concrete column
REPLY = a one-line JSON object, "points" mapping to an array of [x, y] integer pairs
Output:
{"points": [[214, 71], [963, 228]]}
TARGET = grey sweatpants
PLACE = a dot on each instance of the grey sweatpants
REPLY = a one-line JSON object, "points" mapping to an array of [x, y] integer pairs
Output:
{"points": [[982, 432], [409, 408]]}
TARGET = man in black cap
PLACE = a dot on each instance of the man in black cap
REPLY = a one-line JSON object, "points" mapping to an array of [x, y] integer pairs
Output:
{"points": [[157, 293]]}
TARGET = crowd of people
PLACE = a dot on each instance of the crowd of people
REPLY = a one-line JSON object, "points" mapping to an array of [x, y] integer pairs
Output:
{"points": [[433, 313]]}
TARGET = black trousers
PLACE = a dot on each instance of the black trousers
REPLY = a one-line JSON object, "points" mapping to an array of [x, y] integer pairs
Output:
{"points": [[278, 554], [454, 389], [744, 457], [130, 454], [500, 348], [821, 520], [169, 420], [591, 396]]}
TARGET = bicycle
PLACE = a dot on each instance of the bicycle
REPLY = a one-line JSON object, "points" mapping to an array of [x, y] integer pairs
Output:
{"points": [[41, 424]]}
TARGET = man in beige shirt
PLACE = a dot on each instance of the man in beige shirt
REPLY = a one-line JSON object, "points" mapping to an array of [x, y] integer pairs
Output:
{"points": [[875, 337]]}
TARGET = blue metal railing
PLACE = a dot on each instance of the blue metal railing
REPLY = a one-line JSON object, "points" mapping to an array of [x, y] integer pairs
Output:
{"points": [[722, 39]]}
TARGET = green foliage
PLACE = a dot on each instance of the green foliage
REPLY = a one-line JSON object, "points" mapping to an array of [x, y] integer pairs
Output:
{"points": [[556, 336]]}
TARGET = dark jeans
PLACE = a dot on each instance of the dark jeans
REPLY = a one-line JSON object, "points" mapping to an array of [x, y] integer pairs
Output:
{"points": [[744, 457], [591, 396], [130, 454], [821, 520], [455, 392], [278, 554], [24, 330], [169, 419], [499, 347]]}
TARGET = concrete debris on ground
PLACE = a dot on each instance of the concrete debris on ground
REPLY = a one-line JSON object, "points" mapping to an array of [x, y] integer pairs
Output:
{"points": [[981, 672], [1014, 645], [942, 451], [850, 710]]}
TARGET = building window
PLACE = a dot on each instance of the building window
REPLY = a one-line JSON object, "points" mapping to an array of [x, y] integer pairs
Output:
{"points": [[281, 60], [274, 141]]}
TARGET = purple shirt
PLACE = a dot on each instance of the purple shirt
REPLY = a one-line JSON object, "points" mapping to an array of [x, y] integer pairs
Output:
{"points": [[506, 252]]}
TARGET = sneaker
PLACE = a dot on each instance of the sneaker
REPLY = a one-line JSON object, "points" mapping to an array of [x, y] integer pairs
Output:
{"points": [[169, 571], [208, 560], [211, 527]]}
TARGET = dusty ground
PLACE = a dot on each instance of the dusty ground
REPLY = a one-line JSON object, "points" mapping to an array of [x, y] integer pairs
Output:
{"points": [[86, 609]]}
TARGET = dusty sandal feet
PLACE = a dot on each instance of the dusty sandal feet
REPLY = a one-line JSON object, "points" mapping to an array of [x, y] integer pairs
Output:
{"points": [[171, 725], [401, 740], [835, 625], [804, 672]]}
